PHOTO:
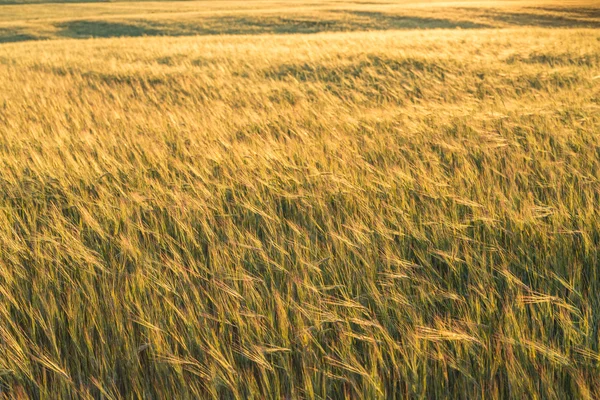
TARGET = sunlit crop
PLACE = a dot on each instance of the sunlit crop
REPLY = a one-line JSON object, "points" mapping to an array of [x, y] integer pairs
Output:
{"points": [[300, 200]]}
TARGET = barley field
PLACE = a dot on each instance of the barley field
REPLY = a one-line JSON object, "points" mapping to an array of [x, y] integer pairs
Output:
{"points": [[300, 200]]}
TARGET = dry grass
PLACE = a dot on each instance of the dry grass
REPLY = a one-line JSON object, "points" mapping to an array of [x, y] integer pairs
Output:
{"points": [[399, 213]]}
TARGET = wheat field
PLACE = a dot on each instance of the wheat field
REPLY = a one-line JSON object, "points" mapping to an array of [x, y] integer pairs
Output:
{"points": [[300, 200]]}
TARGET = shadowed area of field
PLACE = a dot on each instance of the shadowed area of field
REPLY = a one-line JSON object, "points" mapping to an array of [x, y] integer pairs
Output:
{"points": [[252, 25]]}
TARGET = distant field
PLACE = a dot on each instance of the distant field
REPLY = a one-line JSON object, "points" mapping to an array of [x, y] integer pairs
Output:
{"points": [[107, 19], [309, 200]]}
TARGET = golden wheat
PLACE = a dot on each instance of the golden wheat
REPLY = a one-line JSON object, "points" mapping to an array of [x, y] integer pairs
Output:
{"points": [[347, 205]]}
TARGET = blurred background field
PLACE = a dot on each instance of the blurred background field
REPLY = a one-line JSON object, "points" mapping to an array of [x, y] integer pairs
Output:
{"points": [[32, 21], [263, 199]]}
